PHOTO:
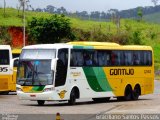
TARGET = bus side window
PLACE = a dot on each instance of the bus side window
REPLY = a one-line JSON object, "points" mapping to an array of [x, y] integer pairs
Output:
{"points": [[128, 58], [136, 58], [116, 57], [147, 58], [76, 58]]}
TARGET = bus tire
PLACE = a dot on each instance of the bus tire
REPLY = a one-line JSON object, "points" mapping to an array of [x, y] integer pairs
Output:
{"points": [[128, 93], [72, 99], [4, 93], [120, 98], [136, 92], [40, 102], [99, 100]]}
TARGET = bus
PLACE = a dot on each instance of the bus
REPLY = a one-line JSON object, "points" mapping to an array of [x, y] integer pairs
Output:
{"points": [[75, 70], [7, 73]]}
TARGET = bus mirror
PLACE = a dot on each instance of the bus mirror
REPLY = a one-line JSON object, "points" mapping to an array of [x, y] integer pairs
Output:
{"points": [[14, 62], [53, 64]]}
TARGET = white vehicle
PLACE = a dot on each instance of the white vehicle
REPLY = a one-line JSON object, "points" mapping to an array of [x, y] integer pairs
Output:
{"points": [[7, 74], [84, 70]]}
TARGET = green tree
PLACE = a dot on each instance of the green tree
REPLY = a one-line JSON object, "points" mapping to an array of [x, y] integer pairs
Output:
{"points": [[50, 30], [140, 13]]}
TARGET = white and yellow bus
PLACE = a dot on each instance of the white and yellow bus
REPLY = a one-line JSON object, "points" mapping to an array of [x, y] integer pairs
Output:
{"points": [[7, 72], [84, 70]]}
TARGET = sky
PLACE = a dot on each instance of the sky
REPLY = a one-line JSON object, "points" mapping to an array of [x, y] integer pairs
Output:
{"points": [[85, 5]]}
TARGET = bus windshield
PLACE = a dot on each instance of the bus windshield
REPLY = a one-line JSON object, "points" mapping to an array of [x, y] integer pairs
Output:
{"points": [[34, 72], [4, 57]]}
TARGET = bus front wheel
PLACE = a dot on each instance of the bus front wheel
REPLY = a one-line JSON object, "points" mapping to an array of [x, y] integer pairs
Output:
{"points": [[72, 99], [40, 102]]}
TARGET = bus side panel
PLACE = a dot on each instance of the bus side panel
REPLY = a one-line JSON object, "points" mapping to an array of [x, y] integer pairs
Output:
{"points": [[91, 82], [5, 82], [120, 77]]}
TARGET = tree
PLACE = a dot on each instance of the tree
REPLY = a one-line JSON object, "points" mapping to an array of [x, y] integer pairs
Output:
{"points": [[63, 10], [50, 9], [140, 13], [155, 2], [39, 10], [23, 3], [49, 30]]}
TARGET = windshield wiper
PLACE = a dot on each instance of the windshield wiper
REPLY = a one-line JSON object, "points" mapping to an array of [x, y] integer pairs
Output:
{"points": [[24, 80]]}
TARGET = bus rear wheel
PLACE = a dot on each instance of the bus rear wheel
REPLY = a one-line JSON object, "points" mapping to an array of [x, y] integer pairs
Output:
{"points": [[136, 93], [72, 99], [4, 93], [105, 99], [40, 102], [128, 93]]}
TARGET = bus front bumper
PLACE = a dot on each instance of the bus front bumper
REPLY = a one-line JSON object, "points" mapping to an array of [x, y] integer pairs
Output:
{"points": [[51, 95]]}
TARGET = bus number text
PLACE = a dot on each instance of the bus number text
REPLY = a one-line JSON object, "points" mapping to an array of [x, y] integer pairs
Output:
{"points": [[3, 69]]}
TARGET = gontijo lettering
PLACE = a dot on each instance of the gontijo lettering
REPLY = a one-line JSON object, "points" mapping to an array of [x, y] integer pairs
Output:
{"points": [[121, 71]]}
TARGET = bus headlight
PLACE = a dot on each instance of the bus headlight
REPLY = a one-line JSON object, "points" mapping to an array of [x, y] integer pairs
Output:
{"points": [[48, 89], [18, 89]]}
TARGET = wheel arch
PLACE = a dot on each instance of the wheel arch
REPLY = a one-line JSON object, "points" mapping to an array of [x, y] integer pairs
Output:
{"points": [[76, 91]]}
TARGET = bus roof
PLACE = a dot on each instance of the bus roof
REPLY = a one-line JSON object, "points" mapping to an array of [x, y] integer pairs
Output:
{"points": [[141, 47], [48, 46], [89, 43], [5, 47], [14, 51], [92, 45]]}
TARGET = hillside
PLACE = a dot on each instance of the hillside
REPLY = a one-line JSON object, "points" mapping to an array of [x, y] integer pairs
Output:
{"points": [[154, 18], [149, 33]]}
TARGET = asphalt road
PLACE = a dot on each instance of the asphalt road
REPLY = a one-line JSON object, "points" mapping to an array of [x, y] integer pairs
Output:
{"points": [[147, 104]]}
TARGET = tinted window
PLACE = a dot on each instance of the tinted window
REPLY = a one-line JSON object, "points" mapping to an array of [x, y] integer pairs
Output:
{"points": [[128, 58], [147, 58], [110, 58], [4, 57], [77, 58]]}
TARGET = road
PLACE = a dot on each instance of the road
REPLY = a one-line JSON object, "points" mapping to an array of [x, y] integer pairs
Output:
{"points": [[147, 104]]}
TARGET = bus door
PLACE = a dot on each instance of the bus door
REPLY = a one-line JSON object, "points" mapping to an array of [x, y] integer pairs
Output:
{"points": [[61, 69]]}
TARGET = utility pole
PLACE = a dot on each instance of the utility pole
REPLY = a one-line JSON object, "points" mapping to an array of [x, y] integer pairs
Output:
{"points": [[4, 8], [24, 28]]}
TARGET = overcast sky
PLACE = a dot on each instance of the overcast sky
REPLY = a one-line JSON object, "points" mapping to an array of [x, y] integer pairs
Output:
{"points": [[87, 5]]}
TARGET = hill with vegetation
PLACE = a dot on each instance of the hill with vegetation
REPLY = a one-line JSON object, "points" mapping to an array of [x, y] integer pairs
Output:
{"points": [[126, 31], [153, 18]]}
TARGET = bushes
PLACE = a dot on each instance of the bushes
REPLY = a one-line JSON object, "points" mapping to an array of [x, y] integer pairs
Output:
{"points": [[49, 30], [4, 36]]}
